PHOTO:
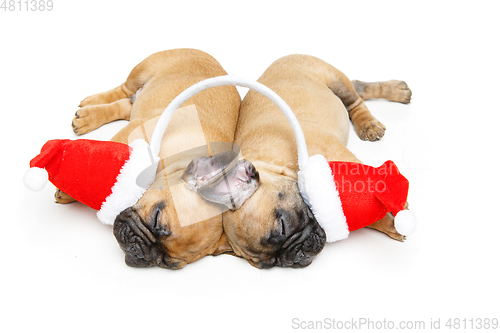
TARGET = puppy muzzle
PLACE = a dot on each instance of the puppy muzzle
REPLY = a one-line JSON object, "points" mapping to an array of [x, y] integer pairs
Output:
{"points": [[300, 249], [136, 241], [140, 244]]}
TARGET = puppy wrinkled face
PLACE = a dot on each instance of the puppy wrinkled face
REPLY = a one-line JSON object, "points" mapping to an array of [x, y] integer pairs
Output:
{"points": [[150, 233], [140, 241], [275, 227]]}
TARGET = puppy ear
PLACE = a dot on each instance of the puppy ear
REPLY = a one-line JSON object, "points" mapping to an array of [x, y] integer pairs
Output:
{"points": [[233, 187]]}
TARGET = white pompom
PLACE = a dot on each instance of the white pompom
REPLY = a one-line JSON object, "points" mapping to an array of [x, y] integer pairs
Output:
{"points": [[405, 222], [36, 178]]}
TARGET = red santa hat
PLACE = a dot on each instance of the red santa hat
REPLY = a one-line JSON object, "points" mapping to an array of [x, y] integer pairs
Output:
{"points": [[346, 196], [100, 174]]}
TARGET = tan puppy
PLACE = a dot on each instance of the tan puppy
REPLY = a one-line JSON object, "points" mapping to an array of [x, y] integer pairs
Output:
{"points": [[275, 227], [169, 225]]}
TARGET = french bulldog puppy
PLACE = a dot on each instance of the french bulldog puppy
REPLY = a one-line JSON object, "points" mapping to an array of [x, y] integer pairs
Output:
{"points": [[170, 226], [274, 227]]}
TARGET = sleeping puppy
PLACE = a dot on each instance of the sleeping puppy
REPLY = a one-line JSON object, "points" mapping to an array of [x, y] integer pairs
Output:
{"points": [[274, 227], [170, 226]]}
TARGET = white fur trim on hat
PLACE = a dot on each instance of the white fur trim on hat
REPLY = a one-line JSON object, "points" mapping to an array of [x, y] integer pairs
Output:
{"points": [[126, 192], [318, 190]]}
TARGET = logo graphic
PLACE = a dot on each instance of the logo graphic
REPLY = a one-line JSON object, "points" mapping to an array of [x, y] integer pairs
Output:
{"points": [[198, 175]]}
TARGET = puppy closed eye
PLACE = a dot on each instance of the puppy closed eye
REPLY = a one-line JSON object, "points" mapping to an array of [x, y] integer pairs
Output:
{"points": [[277, 236], [283, 226], [159, 228], [283, 223]]}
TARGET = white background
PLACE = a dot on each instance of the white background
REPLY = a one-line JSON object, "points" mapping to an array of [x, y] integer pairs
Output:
{"points": [[62, 270]]}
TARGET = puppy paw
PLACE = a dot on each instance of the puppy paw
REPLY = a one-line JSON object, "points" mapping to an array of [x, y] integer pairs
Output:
{"points": [[62, 198], [86, 120], [372, 130], [398, 91]]}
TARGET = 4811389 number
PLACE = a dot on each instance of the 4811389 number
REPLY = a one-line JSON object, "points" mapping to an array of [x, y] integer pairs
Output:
{"points": [[472, 323], [27, 5]]}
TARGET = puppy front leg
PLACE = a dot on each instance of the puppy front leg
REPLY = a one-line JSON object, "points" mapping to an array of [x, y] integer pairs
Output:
{"points": [[386, 225], [62, 198]]}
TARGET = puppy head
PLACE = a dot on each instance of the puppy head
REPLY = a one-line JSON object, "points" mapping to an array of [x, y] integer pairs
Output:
{"points": [[274, 227], [173, 225]]}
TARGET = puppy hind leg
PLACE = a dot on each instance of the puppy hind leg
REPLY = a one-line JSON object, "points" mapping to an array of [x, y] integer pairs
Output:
{"points": [[106, 97], [393, 90], [365, 124], [136, 79], [114, 104], [91, 117], [367, 127]]}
